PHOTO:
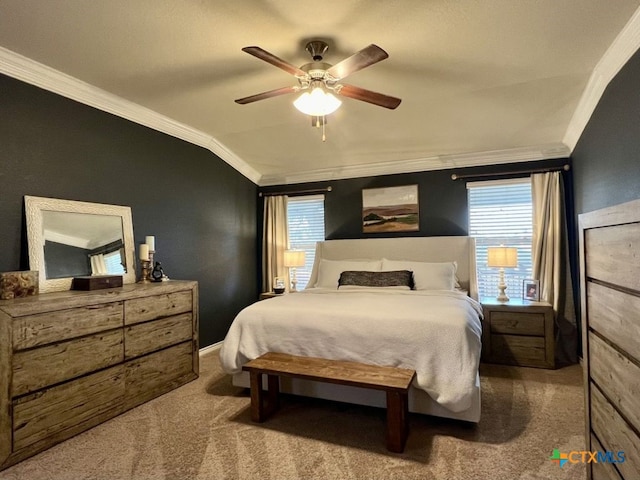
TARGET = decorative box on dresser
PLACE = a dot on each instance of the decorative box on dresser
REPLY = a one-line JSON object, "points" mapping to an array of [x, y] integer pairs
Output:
{"points": [[71, 360], [518, 332], [610, 306]]}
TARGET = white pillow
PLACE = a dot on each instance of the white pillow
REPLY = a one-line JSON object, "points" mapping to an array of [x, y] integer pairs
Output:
{"points": [[329, 270], [426, 276]]}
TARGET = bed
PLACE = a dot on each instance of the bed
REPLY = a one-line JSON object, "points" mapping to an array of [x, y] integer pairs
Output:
{"points": [[430, 322]]}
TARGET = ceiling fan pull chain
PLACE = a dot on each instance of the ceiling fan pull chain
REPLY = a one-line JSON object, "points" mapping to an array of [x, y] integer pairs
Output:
{"points": [[324, 122]]}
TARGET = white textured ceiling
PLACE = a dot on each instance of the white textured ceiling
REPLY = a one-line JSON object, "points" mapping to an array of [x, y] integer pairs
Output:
{"points": [[474, 76]]}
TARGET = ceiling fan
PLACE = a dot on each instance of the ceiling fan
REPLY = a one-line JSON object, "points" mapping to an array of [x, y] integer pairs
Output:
{"points": [[319, 79]]}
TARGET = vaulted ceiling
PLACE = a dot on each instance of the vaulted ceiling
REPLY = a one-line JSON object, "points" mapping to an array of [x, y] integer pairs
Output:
{"points": [[480, 81]]}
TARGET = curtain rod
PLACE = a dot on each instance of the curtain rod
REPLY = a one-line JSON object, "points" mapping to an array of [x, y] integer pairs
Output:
{"points": [[296, 192], [565, 167]]}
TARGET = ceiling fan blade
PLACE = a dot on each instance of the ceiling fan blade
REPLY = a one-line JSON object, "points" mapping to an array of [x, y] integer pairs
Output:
{"points": [[365, 57], [273, 60], [368, 96], [271, 93]]}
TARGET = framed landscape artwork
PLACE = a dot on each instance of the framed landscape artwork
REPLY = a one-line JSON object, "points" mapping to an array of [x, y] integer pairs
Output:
{"points": [[390, 209]]}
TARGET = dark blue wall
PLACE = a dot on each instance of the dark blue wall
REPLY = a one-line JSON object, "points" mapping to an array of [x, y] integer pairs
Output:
{"points": [[443, 201], [606, 159], [202, 211]]}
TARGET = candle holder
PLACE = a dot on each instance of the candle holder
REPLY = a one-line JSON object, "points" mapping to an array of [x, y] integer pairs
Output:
{"points": [[145, 266]]}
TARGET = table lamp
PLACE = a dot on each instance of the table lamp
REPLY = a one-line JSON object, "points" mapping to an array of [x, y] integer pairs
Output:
{"points": [[502, 257], [293, 259]]}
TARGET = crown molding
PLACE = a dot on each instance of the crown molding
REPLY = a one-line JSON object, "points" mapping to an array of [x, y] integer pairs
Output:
{"points": [[34, 73], [617, 55], [440, 162]]}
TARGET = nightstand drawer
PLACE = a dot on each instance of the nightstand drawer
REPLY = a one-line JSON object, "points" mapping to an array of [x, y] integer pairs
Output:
{"points": [[518, 323], [526, 351]]}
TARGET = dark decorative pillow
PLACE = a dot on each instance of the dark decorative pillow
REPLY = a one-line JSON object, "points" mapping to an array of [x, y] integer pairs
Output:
{"points": [[397, 278]]}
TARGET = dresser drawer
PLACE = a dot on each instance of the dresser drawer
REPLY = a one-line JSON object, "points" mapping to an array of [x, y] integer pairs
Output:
{"points": [[43, 366], [615, 433], [41, 329], [518, 323], [155, 335], [525, 351], [152, 375], [60, 412], [149, 308], [617, 376]]}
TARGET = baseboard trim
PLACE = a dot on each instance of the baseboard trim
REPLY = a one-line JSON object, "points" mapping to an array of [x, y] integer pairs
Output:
{"points": [[210, 348]]}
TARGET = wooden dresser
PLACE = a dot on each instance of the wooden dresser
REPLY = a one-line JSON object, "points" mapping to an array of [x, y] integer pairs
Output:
{"points": [[71, 360], [518, 333], [610, 306]]}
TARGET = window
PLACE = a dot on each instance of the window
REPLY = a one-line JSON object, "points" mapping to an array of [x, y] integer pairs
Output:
{"points": [[500, 213], [113, 261], [305, 216]]}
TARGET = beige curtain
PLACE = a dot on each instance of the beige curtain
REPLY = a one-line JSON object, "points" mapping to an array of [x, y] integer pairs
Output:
{"points": [[98, 265], [551, 260], [275, 238]]}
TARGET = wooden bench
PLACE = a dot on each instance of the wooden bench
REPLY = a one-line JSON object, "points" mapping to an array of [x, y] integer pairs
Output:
{"points": [[394, 381]]}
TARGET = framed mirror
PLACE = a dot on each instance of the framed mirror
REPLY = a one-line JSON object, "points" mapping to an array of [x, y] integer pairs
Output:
{"points": [[70, 239]]}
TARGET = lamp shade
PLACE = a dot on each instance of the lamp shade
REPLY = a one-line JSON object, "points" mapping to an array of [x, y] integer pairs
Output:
{"points": [[317, 103], [502, 257], [294, 258]]}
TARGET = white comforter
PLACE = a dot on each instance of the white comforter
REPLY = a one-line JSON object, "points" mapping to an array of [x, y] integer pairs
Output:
{"points": [[437, 333]]}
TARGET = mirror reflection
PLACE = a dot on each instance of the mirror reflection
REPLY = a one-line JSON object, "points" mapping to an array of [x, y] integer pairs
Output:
{"points": [[79, 244]]}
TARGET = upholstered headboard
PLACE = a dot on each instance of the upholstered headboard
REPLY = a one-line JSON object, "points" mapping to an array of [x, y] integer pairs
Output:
{"points": [[419, 249]]}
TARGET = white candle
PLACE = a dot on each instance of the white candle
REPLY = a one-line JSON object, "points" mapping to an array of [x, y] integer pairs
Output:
{"points": [[151, 241], [144, 251]]}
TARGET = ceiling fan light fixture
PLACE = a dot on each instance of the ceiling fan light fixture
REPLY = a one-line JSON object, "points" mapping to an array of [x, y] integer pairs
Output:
{"points": [[317, 103]]}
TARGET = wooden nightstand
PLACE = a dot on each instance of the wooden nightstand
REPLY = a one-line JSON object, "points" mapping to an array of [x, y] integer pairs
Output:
{"points": [[518, 333], [265, 295]]}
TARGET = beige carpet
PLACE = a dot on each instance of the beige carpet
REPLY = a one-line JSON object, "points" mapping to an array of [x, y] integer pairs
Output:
{"points": [[203, 431]]}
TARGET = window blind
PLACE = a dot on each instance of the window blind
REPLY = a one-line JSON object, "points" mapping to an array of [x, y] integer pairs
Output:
{"points": [[305, 216], [500, 213], [113, 261]]}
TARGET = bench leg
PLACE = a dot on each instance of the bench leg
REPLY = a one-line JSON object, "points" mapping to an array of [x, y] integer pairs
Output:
{"points": [[397, 420], [260, 411], [273, 393], [257, 397]]}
